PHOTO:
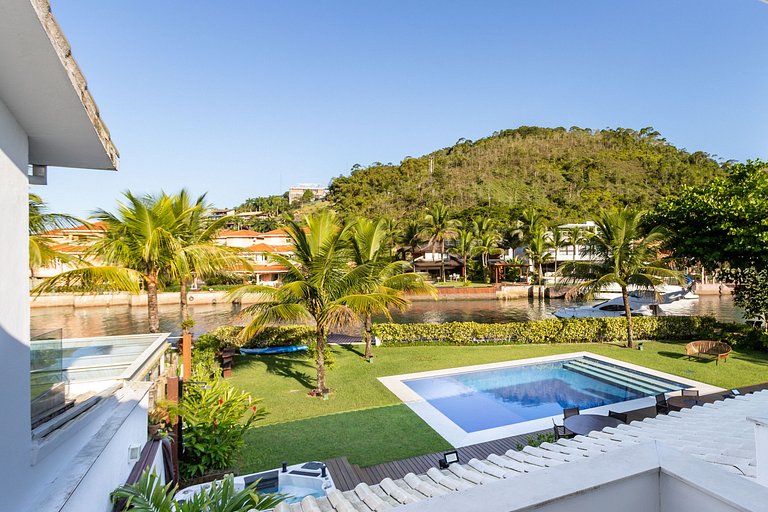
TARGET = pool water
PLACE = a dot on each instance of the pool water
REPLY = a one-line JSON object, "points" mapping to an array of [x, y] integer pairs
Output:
{"points": [[488, 399]]}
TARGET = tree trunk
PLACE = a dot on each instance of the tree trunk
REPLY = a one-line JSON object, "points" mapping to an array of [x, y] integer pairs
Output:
{"points": [[184, 305], [555, 265], [464, 267], [368, 337], [442, 260], [540, 274], [320, 360], [154, 321], [628, 312]]}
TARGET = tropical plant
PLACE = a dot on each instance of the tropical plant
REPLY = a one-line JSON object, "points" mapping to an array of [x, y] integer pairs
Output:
{"points": [[557, 238], [384, 277], [148, 494], [621, 253], [149, 241], [485, 246], [41, 253], [320, 286], [538, 249], [410, 238], [439, 227], [199, 255], [576, 236], [214, 418], [465, 243]]}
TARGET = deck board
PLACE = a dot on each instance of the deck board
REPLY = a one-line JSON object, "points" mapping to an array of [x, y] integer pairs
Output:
{"points": [[346, 475]]}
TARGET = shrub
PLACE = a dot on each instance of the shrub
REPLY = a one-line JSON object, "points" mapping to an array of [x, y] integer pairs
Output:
{"points": [[280, 336], [552, 330], [205, 364], [214, 417]]}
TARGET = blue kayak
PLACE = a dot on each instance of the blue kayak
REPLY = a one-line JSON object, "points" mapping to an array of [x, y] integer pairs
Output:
{"points": [[272, 350]]}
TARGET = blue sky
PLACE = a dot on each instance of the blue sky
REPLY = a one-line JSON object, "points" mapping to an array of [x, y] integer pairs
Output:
{"points": [[245, 98]]}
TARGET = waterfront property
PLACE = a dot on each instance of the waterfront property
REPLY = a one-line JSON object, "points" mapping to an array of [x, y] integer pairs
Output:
{"points": [[473, 404], [380, 418]]}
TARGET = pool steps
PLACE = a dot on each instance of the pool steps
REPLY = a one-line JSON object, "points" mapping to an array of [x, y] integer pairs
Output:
{"points": [[644, 384], [685, 430]]}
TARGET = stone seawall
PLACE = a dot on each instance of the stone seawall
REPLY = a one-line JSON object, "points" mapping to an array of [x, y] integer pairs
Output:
{"points": [[123, 299]]}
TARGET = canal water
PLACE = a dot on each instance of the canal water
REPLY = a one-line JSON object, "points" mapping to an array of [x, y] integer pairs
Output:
{"points": [[116, 320]]}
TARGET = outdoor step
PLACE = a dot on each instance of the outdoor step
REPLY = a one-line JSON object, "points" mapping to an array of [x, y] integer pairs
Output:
{"points": [[658, 382], [599, 373], [620, 375]]}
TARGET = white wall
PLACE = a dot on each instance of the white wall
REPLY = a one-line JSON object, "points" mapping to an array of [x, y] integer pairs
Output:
{"points": [[14, 309]]}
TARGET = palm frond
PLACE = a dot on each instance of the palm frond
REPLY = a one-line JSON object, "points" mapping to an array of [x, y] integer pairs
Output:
{"points": [[94, 279]]}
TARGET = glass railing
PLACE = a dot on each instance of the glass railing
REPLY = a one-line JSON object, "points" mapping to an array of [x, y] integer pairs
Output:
{"points": [[47, 381]]}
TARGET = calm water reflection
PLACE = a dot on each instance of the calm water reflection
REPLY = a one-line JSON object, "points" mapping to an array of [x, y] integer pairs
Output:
{"points": [[114, 320]]}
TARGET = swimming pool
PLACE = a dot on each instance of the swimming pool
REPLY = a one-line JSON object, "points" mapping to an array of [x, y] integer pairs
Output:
{"points": [[479, 403]]}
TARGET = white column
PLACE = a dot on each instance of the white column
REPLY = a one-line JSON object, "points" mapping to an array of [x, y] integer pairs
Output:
{"points": [[15, 435]]}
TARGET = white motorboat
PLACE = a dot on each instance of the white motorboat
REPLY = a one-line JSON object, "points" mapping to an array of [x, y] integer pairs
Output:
{"points": [[610, 308]]}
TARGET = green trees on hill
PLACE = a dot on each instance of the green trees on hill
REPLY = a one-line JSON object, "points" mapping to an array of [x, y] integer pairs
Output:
{"points": [[566, 174]]}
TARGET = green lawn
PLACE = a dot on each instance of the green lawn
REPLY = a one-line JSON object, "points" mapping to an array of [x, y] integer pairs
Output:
{"points": [[366, 423]]}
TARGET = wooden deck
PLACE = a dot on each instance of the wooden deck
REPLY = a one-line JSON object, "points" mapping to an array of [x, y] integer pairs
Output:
{"points": [[347, 475]]}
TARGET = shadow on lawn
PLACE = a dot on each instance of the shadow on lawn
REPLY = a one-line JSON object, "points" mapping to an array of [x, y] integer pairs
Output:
{"points": [[678, 355], [353, 349], [291, 366]]}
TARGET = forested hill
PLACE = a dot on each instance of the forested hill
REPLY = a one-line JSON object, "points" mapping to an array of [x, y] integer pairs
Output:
{"points": [[569, 174]]}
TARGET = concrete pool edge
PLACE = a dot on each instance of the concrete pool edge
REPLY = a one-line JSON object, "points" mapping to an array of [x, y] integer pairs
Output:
{"points": [[458, 437]]}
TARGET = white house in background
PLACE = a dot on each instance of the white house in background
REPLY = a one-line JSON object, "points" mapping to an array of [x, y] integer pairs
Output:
{"points": [[241, 238], [567, 252], [48, 118], [296, 193]]}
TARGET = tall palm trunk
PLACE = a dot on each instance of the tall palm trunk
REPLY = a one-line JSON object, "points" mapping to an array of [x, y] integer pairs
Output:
{"points": [[184, 305], [368, 336], [320, 360], [628, 313], [442, 260], [555, 265], [540, 273], [464, 266], [154, 320]]}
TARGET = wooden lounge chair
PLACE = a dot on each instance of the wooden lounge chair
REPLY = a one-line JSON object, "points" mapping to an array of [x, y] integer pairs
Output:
{"points": [[717, 349]]}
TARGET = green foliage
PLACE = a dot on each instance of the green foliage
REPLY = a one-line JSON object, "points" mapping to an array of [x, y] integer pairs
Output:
{"points": [[205, 364], [502, 175], [330, 360], [722, 221], [149, 495], [538, 440], [751, 291], [228, 336], [551, 330], [215, 417]]}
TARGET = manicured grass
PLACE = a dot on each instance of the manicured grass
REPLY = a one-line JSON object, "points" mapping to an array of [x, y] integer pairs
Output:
{"points": [[366, 423]]}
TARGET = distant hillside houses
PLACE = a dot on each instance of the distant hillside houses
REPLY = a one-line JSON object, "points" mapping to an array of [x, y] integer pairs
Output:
{"points": [[302, 190]]}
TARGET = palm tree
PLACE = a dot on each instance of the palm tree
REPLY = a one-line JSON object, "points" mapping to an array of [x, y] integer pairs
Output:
{"points": [[199, 253], [576, 236], [621, 253], [465, 242], [384, 276], [439, 227], [40, 221], [320, 287], [410, 238], [558, 238], [538, 248], [485, 246], [149, 494]]}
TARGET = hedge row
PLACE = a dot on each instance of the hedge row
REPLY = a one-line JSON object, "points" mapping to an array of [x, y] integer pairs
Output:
{"points": [[577, 330], [228, 337]]}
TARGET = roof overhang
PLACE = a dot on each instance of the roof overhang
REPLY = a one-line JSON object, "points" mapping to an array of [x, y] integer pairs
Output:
{"points": [[43, 87]]}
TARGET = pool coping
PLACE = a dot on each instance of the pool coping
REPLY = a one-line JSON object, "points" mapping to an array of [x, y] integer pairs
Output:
{"points": [[458, 437]]}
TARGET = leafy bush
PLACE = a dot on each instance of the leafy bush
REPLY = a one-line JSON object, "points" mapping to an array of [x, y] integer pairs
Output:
{"points": [[215, 417], [205, 364], [552, 330], [149, 494], [280, 336]]}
